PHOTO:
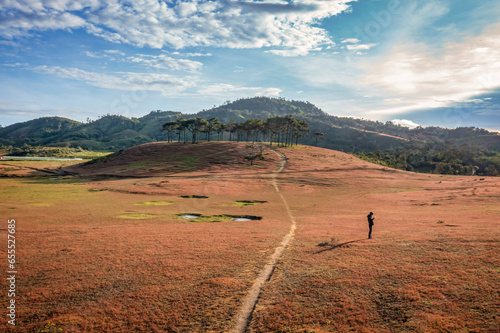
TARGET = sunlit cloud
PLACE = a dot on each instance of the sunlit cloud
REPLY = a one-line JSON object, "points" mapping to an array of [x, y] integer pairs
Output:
{"points": [[429, 80], [156, 24]]}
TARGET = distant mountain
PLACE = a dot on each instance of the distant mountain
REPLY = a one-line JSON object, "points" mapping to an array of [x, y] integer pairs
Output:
{"points": [[261, 108], [110, 132], [114, 132], [36, 131]]}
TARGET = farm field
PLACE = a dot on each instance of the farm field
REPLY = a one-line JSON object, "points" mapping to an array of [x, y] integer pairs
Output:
{"points": [[103, 248]]}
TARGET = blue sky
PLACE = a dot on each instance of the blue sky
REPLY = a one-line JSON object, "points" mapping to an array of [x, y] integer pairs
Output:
{"points": [[433, 62]]}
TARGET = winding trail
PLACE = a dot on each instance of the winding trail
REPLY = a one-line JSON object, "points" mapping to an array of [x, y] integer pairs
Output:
{"points": [[244, 315]]}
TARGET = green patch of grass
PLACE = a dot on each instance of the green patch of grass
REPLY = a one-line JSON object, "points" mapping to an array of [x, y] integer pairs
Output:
{"points": [[294, 146], [154, 203], [189, 162], [58, 152], [50, 327], [137, 216], [58, 180], [104, 157], [137, 165], [24, 191], [41, 204], [183, 161]]}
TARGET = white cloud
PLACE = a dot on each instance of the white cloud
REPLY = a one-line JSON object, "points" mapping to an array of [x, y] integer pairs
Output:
{"points": [[192, 54], [116, 52], [225, 89], [165, 62], [96, 55], [167, 84], [350, 41], [161, 61], [290, 53], [9, 43], [16, 65], [156, 24], [11, 26], [363, 47], [430, 79], [185, 9], [405, 123]]}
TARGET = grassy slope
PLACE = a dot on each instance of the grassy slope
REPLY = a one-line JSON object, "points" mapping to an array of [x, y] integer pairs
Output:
{"points": [[87, 269], [416, 275]]}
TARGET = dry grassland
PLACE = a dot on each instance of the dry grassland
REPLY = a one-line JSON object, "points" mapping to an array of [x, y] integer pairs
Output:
{"points": [[86, 267]]}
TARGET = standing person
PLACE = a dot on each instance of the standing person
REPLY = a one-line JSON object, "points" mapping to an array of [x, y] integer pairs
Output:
{"points": [[370, 223]]}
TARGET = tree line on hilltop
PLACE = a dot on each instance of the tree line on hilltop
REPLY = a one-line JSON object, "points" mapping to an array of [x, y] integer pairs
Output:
{"points": [[282, 130]]}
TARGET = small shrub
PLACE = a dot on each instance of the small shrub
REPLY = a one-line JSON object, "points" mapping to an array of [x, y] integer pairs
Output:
{"points": [[49, 328]]}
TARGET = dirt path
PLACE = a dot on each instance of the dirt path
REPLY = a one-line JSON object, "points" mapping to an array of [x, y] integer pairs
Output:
{"points": [[244, 315]]}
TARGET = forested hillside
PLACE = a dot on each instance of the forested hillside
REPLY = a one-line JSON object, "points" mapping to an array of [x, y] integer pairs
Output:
{"points": [[465, 150]]}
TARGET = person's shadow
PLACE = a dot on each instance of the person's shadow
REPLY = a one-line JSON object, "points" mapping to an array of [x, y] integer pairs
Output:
{"points": [[332, 246]]}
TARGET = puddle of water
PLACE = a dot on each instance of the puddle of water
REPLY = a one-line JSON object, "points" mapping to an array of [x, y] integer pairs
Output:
{"points": [[244, 203], [246, 218], [188, 216], [219, 218]]}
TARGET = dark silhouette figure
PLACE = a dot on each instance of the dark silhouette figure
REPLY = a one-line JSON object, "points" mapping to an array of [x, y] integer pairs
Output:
{"points": [[370, 223]]}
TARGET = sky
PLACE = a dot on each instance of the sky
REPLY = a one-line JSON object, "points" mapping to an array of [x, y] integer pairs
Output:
{"points": [[427, 63]]}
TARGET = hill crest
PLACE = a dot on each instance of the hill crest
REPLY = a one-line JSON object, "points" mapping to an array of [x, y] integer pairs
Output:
{"points": [[114, 132], [163, 159]]}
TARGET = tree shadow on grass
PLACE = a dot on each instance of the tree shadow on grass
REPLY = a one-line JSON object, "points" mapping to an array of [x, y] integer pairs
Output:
{"points": [[327, 246]]}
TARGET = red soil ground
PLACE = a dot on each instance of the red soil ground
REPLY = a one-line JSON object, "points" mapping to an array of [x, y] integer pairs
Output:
{"points": [[432, 265]]}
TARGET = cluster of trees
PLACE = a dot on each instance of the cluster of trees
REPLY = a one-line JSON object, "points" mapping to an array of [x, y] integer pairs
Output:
{"points": [[464, 160], [40, 151], [284, 130]]}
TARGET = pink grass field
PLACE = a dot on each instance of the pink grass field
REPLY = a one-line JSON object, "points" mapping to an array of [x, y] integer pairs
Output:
{"points": [[91, 256]]}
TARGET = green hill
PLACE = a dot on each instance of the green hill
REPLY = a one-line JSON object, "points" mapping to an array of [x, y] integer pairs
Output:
{"points": [[38, 131], [114, 132], [110, 132], [261, 108]]}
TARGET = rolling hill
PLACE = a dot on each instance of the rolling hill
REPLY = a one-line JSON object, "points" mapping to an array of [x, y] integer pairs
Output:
{"points": [[450, 151]]}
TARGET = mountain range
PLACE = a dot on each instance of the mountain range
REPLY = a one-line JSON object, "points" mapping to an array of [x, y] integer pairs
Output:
{"points": [[114, 132]]}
